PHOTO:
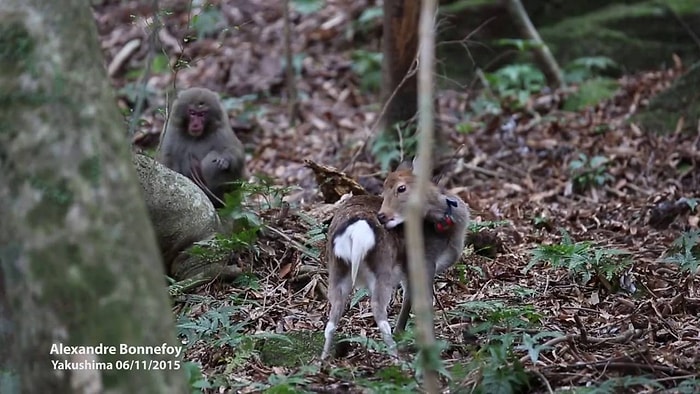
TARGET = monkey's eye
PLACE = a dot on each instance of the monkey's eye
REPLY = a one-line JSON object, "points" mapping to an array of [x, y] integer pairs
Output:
{"points": [[401, 188]]}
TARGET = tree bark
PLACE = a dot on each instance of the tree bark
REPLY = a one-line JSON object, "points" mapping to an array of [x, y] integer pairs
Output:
{"points": [[292, 106], [420, 282], [79, 264], [544, 56], [399, 47]]}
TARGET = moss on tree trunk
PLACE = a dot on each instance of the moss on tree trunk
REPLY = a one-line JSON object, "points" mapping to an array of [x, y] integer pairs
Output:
{"points": [[79, 263]]}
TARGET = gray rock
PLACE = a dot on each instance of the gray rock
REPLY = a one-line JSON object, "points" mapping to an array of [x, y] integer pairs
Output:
{"points": [[680, 100], [182, 215]]}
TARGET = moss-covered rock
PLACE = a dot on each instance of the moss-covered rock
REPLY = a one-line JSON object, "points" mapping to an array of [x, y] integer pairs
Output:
{"points": [[680, 100], [591, 92], [637, 35]]}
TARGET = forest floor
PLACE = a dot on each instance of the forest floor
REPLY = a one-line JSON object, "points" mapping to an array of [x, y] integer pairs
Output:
{"points": [[575, 278]]}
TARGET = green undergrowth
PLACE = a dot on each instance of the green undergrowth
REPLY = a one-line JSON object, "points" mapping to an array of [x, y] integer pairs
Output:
{"points": [[583, 260]]}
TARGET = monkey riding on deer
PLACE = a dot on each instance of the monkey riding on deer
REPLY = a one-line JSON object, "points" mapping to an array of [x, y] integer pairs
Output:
{"points": [[366, 242], [200, 144]]}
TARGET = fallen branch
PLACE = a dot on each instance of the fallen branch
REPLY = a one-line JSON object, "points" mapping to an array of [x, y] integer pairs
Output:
{"points": [[622, 338], [294, 243]]}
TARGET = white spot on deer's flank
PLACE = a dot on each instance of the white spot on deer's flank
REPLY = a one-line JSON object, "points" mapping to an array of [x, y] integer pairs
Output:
{"points": [[354, 243]]}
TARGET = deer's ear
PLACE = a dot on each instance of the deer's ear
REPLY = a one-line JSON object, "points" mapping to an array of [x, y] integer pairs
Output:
{"points": [[415, 167], [406, 165]]}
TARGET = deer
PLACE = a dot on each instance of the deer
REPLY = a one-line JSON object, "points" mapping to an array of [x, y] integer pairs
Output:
{"points": [[366, 242]]}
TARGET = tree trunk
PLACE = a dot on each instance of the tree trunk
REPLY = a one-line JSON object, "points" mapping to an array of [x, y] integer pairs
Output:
{"points": [[421, 283], [79, 264], [400, 43], [544, 56], [292, 105]]}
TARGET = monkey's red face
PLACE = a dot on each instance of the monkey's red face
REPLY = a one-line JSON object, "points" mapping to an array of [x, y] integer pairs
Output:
{"points": [[196, 121]]}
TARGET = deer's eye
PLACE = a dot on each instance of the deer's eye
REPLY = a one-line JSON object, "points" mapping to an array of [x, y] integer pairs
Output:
{"points": [[401, 189]]}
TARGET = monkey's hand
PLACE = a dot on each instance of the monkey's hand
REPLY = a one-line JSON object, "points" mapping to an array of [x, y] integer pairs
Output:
{"points": [[222, 163]]}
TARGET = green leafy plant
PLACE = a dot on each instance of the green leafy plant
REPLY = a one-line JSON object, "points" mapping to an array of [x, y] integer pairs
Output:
{"points": [[133, 90], [287, 384], [160, 64], [516, 82], [485, 103], [370, 17], [245, 281], [368, 66], [358, 295], [519, 44], [213, 323], [196, 380], [591, 92], [467, 126], [278, 383], [587, 172], [370, 14], [265, 192], [684, 252], [241, 219], [367, 342], [496, 367], [691, 202], [314, 238], [430, 357], [689, 386], [496, 313], [616, 385], [391, 379], [238, 210], [224, 326], [582, 259], [585, 68], [530, 343], [541, 221], [388, 148], [244, 107], [207, 22], [519, 291], [307, 6], [500, 371], [463, 271]]}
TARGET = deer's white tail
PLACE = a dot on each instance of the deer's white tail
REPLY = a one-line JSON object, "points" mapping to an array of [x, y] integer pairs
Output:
{"points": [[353, 244]]}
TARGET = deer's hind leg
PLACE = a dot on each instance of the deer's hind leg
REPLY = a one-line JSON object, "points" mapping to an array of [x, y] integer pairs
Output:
{"points": [[405, 308], [339, 288], [381, 296]]}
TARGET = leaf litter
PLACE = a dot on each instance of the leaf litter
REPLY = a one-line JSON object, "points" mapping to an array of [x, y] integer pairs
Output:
{"points": [[514, 170]]}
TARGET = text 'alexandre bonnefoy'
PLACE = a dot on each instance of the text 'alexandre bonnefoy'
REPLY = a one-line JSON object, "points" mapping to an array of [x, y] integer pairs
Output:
{"points": [[88, 357], [121, 349]]}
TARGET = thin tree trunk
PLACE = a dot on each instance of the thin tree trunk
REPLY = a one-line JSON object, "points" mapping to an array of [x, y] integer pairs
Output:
{"points": [[549, 65], [420, 283], [292, 107], [399, 47], [79, 263]]}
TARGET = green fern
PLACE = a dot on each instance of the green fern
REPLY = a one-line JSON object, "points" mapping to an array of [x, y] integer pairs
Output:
{"points": [[582, 259], [683, 252]]}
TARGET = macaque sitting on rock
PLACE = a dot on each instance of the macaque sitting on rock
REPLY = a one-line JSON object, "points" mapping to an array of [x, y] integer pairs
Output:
{"points": [[200, 144]]}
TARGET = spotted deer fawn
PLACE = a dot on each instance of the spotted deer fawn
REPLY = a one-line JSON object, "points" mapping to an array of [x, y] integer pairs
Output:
{"points": [[366, 240]]}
